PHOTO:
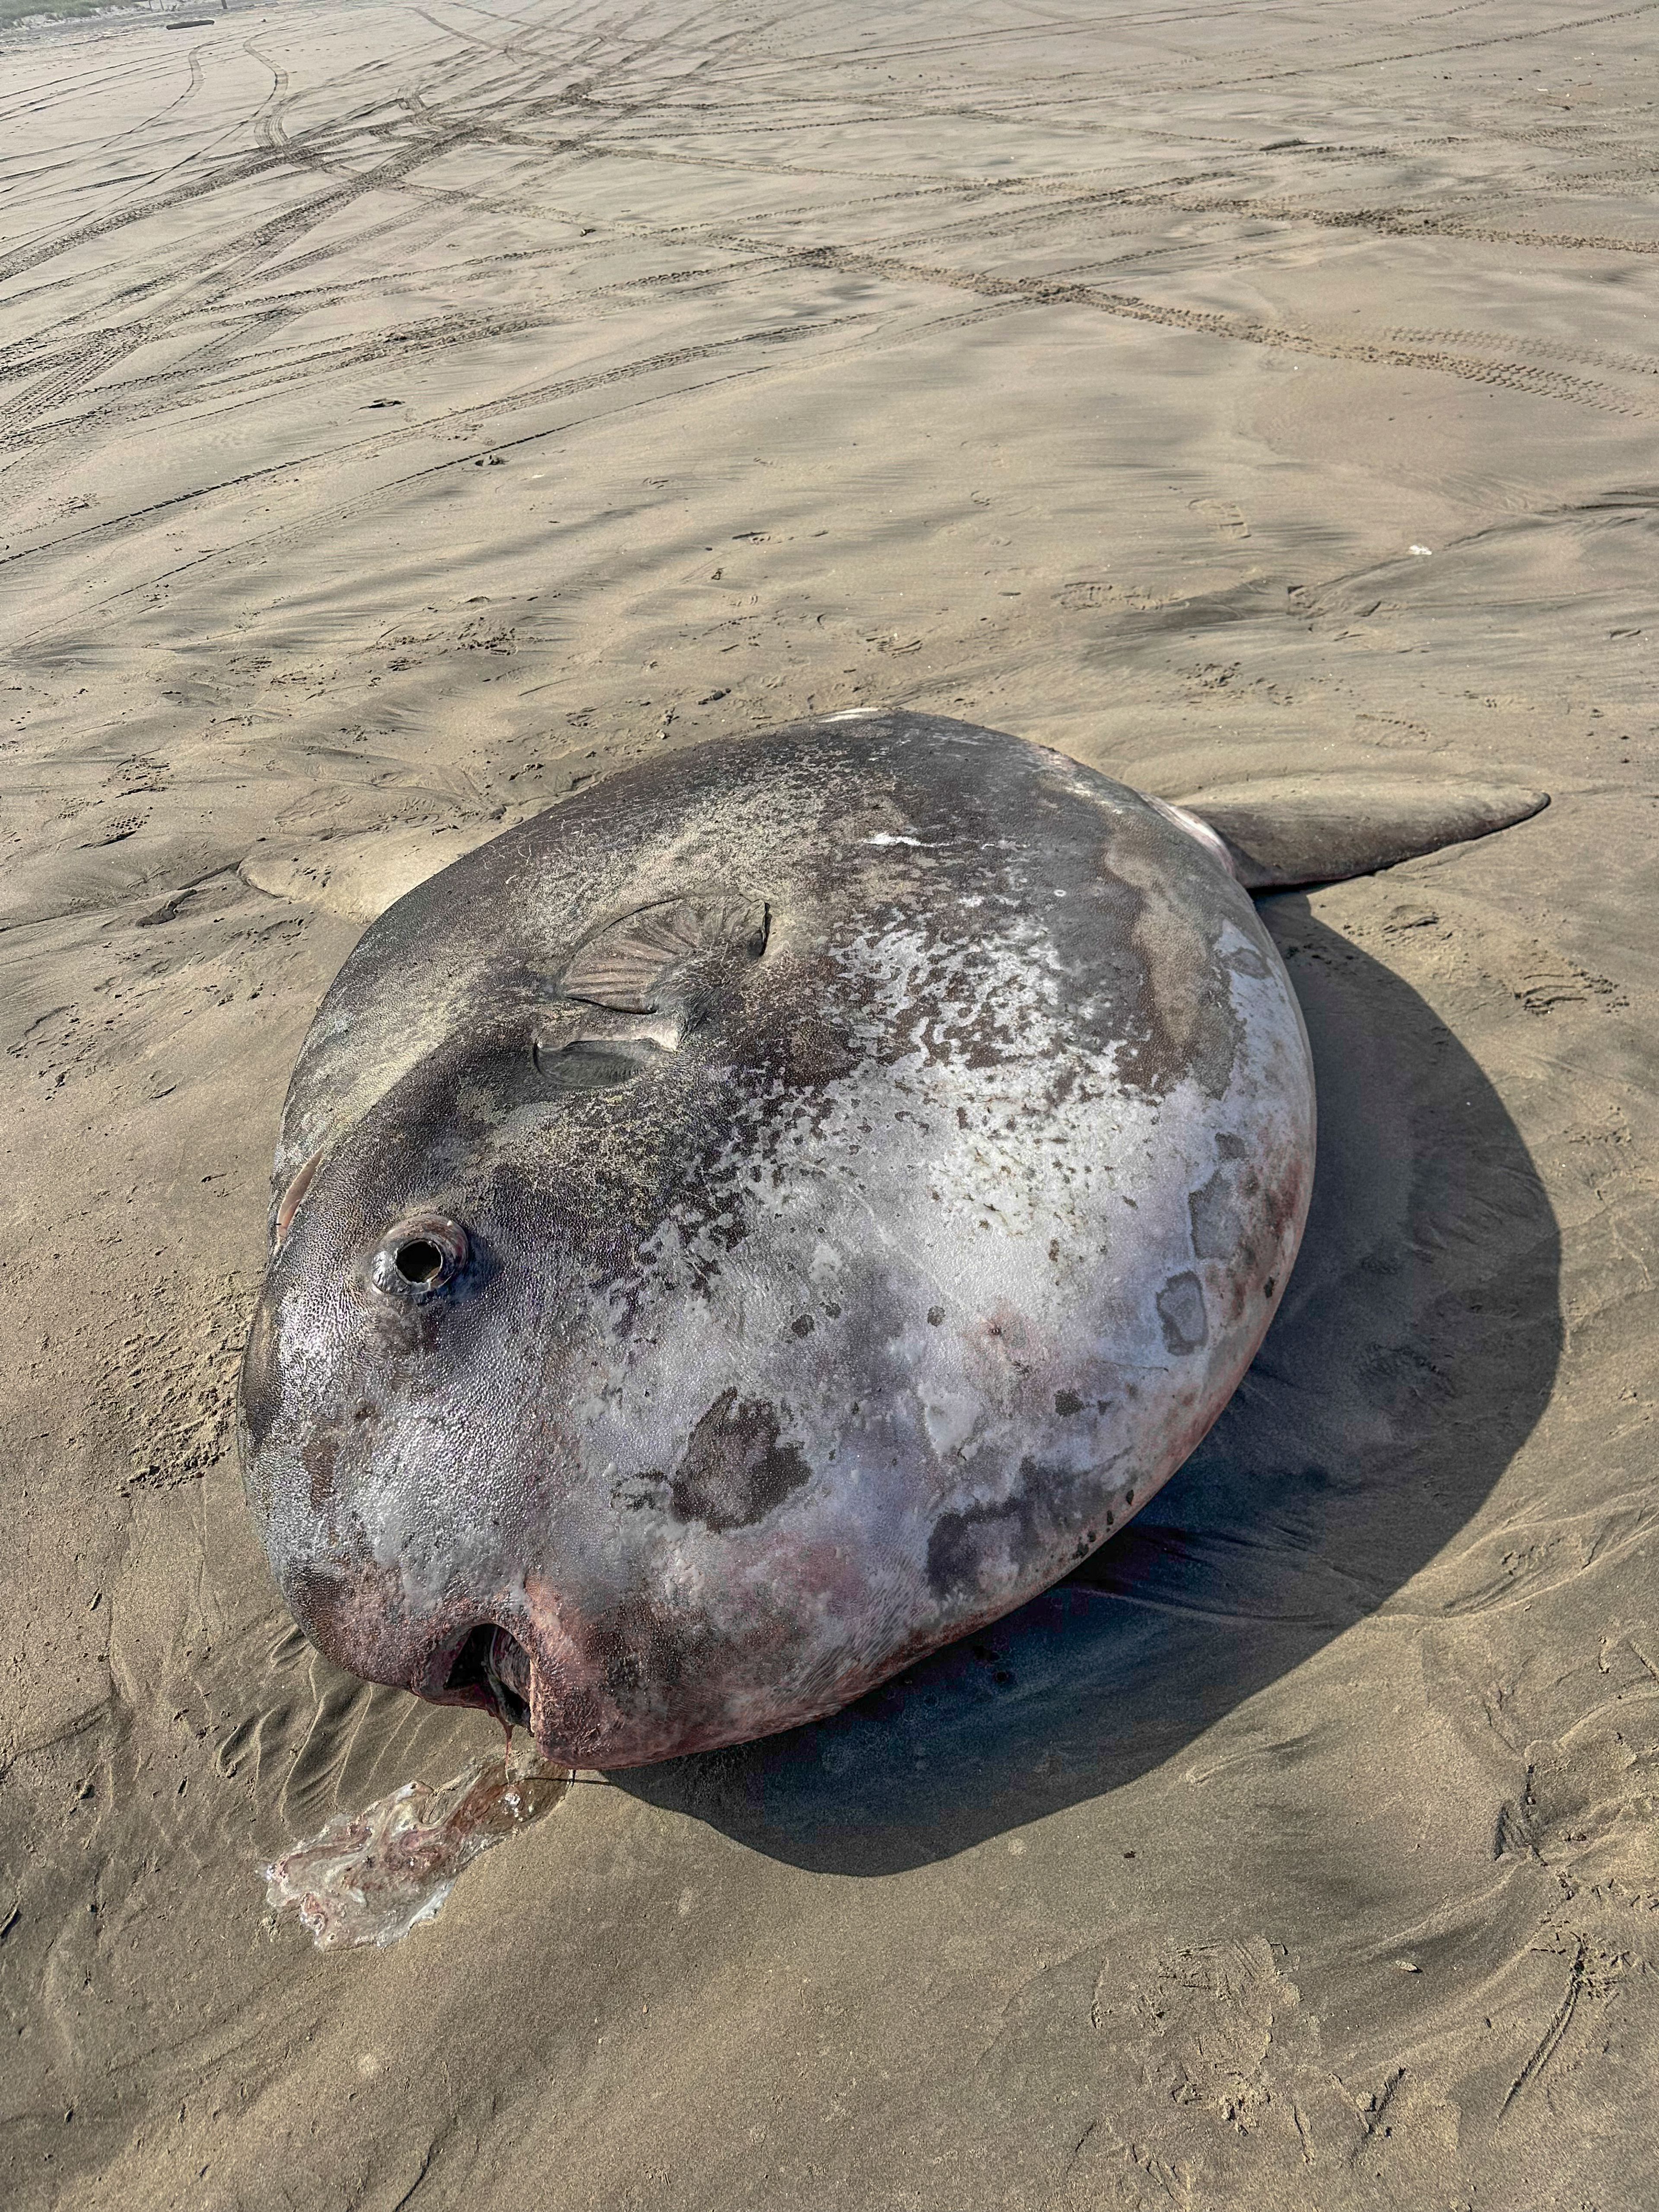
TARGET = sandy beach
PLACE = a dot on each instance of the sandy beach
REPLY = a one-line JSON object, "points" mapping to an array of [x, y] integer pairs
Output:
{"points": [[409, 414]]}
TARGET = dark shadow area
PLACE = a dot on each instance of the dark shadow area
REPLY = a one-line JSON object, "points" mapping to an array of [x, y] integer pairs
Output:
{"points": [[1415, 1350]]}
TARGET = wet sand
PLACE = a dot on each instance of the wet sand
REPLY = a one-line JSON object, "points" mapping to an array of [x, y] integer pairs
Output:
{"points": [[410, 414]]}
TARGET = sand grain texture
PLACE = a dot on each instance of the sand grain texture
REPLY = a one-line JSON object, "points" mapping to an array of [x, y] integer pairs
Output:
{"points": [[408, 415]]}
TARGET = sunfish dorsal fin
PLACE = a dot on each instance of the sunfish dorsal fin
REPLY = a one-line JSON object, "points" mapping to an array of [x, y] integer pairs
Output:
{"points": [[628, 963], [1317, 830]]}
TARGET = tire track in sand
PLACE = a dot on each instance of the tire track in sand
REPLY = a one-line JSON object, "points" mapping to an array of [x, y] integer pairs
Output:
{"points": [[1513, 375]]}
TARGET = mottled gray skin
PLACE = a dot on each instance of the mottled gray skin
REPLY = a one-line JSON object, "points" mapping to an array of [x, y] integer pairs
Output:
{"points": [[851, 1246]]}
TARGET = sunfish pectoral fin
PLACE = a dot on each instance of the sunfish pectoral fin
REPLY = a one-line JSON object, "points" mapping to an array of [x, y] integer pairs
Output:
{"points": [[1277, 835]]}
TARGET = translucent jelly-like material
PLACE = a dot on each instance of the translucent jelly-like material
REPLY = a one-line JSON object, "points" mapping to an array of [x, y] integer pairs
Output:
{"points": [[371, 1876]]}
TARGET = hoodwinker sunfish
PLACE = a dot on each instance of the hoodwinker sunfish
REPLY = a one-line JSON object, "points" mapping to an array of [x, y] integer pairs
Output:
{"points": [[775, 1213]]}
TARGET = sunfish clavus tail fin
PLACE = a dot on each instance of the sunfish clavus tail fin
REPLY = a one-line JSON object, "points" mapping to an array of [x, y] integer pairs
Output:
{"points": [[1289, 832]]}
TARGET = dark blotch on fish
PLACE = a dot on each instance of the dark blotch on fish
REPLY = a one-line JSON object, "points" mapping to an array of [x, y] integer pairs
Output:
{"points": [[735, 1470]]}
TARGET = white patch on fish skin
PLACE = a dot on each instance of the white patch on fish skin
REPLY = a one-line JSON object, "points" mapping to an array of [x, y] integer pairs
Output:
{"points": [[949, 1419]]}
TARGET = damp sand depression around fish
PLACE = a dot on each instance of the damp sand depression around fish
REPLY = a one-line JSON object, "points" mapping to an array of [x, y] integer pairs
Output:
{"points": [[408, 419]]}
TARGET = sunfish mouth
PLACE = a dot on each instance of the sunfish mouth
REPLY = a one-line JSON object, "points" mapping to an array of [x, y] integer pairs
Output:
{"points": [[489, 1668]]}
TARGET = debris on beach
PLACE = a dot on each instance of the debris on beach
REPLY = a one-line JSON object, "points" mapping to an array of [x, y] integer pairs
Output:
{"points": [[369, 1877]]}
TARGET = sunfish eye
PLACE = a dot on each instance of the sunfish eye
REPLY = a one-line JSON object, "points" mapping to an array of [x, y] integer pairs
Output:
{"points": [[419, 1256]]}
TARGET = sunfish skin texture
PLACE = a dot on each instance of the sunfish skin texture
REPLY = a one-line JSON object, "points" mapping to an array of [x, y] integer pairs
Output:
{"points": [[761, 1220]]}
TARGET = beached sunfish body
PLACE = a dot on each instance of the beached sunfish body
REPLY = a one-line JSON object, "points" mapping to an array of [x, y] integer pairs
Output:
{"points": [[773, 1214]]}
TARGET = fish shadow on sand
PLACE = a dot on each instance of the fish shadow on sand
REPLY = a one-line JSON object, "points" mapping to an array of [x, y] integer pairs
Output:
{"points": [[1415, 1350]]}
